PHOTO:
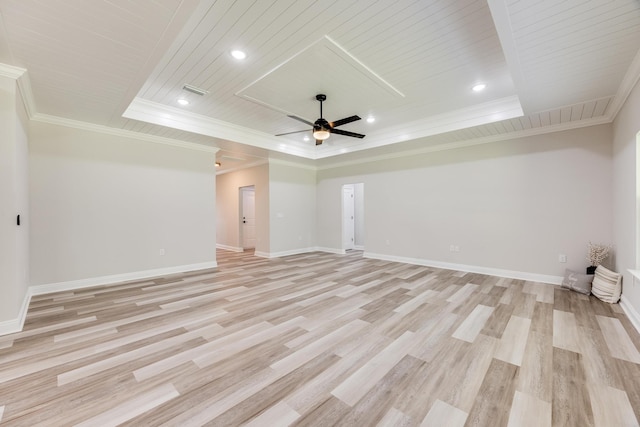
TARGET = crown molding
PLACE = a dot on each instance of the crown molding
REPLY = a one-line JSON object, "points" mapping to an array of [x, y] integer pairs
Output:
{"points": [[163, 115], [60, 121], [471, 142], [627, 84], [476, 115], [24, 87], [11, 71], [21, 76]]}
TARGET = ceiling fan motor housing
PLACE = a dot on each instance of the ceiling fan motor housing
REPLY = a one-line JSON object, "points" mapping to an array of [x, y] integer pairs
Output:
{"points": [[322, 128], [321, 124]]}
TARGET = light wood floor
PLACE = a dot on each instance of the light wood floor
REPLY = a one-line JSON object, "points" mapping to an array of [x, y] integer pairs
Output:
{"points": [[321, 339]]}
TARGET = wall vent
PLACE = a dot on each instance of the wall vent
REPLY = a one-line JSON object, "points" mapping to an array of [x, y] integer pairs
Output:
{"points": [[195, 90]]}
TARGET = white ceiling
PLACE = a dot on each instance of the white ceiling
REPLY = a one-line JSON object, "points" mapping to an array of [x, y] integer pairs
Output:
{"points": [[119, 64]]}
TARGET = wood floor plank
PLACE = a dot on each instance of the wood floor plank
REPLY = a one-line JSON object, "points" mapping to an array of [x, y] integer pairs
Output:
{"points": [[529, 411], [130, 409], [536, 371], [498, 320], [493, 403], [514, 339], [571, 404], [473, 324], [630, 377], [468, 373], [121, 358], [302, 356], [598, 363], [321, 339], [444, 415], [317, 389], [372, 407], [565, 331], [275, 392], [359, 383], [279, 414], [395, 418], [163, 365], [611, 407], [617, 339], [462, 294]]}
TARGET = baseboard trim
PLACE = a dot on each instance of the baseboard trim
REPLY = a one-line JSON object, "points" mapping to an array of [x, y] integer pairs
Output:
{"points": [[630, 311], [117, 278], [330, 250], [15, 325], [510, 274], [299, 252], [229, 248], [284, 253], [359, 247], [292, 252]]}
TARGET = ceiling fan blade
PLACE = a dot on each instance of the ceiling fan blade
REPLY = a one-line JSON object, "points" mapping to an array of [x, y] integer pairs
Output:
{"points": [[318, 142], [347, 133], [344, 121], [298, 131], [301, 120]]}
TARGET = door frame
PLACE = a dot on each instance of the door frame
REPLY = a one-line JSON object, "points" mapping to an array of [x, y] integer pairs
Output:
{"points": [[348, 205], [241, 191]]}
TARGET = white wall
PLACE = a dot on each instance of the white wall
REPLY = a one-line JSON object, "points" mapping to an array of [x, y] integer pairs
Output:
{"points": [[105, 205], [228, 206], [292, 206], [625, 195], [14, 243], [511, 205]]}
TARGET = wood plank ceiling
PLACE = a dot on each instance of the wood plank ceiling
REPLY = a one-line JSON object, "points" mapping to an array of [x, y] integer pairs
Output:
{"points": [[410, 64]]}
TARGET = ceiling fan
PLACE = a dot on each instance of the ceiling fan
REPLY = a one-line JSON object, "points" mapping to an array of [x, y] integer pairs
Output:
{"points": [[322, 129]]}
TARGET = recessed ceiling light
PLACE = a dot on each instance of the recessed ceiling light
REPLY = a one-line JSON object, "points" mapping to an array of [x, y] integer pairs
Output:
{"points": [[306, 138], [238, 54], [479, 87], [218, 164], [371, 119], [183, 102]]}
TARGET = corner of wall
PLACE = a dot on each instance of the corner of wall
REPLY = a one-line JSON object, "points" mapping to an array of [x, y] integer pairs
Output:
{"points": [[630, 311], [15, 325]]}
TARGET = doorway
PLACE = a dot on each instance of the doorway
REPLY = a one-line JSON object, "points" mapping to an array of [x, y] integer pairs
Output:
{"points": [[353, 216], [248, 217], [348, 217]]}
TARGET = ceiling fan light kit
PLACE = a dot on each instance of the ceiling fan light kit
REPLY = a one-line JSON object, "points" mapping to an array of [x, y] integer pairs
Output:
{"points": [[322, 129], [321, 133]]}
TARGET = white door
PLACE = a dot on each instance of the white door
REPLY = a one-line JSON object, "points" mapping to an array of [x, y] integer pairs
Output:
{"points": [[248, 217], [348, 217]]}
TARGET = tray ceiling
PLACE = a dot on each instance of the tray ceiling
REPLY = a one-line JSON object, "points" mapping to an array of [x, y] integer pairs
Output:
{"points": [[410, 65]]}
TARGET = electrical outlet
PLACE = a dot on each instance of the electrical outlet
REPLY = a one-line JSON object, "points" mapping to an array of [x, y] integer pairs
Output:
{"points": [[162, 252], [562, 258]]}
